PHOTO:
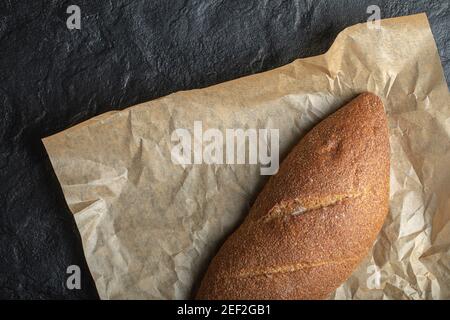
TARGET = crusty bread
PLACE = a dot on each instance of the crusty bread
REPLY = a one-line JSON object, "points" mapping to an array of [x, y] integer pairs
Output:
{"points": [[317, 218]]}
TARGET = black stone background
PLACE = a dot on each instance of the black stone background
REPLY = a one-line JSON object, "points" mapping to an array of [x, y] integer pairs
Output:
{"points": [[125, 53]]}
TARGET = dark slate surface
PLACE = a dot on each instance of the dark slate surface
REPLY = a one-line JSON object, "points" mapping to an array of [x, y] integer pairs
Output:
{"points": [[125, 53]]}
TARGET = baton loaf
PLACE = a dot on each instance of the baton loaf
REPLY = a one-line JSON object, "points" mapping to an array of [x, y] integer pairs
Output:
{"points": [[317, 218]]}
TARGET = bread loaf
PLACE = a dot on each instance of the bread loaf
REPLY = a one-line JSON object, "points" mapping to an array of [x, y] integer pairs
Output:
{"points": [[317, 218]]}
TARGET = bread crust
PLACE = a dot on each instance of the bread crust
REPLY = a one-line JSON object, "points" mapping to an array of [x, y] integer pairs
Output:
{"points": [[317, 218]]}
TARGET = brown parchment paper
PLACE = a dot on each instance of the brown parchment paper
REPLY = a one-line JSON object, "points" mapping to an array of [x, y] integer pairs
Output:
{"points": [[149, 227]]}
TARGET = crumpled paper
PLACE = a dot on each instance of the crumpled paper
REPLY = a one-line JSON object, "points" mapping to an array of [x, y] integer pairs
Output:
{"points": [[150, 227]]}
